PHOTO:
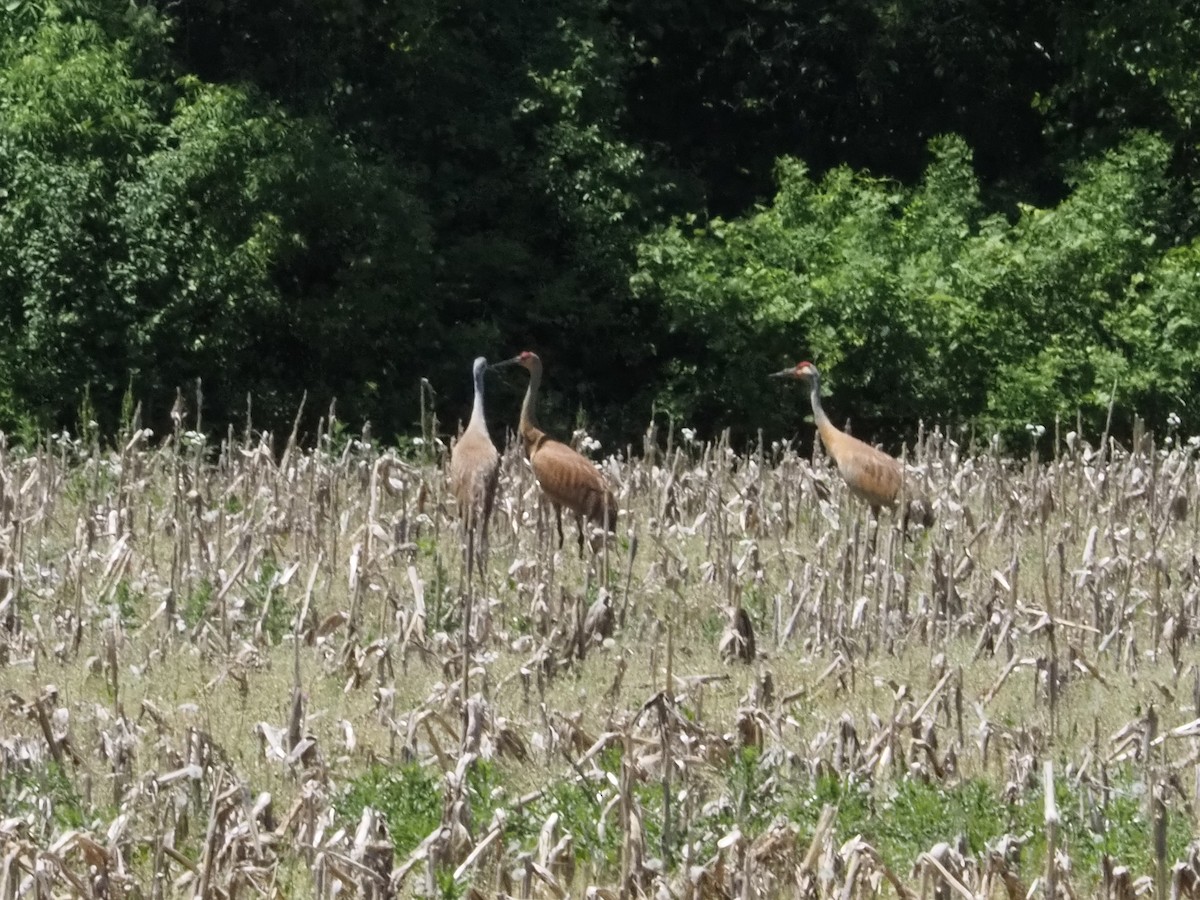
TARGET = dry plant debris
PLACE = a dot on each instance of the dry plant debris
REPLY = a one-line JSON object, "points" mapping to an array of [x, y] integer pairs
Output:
{"points": [[240, 670]]}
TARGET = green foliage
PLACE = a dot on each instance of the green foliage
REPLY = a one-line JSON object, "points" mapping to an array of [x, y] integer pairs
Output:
{"points": [[197, 603], [149, 231], [279, 617], [727, 88], [912, 815], [578, 810], [917, 815], [1128, 65], [913, 301], [130, 601], [408, 797], [46, 794], [346, 198]]}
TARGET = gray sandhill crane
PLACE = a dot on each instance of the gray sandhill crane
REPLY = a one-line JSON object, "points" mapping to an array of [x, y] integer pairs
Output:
{"points": [[870, 473], [474, 471], [566, 477]]}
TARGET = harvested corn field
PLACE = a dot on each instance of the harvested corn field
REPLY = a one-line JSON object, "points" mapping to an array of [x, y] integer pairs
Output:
{"points": [[240, 670]]}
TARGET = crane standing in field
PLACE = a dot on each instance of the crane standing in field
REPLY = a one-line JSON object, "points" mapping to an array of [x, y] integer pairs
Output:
{"points": [[870, 473], [566, 477], [474, 472]]}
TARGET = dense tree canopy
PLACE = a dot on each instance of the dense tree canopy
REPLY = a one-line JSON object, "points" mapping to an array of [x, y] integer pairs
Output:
{"points": [[964, 213]]}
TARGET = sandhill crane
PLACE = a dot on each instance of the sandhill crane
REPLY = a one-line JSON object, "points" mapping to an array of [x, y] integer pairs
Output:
{"points": [[567, 478], [474, 471], [870, 474]]}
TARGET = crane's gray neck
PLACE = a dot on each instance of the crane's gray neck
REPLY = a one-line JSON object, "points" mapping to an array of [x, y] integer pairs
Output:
{"points": [[814, 394], [529, 406]]}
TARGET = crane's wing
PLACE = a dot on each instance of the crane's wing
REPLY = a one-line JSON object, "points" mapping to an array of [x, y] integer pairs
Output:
{"points": [[870, 473], [474, 471], [572, 481]]}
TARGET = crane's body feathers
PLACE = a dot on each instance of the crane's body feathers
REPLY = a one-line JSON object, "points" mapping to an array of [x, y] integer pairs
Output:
{"points": [[570, 480], [870, 474], [566, 477], [475, 472]]}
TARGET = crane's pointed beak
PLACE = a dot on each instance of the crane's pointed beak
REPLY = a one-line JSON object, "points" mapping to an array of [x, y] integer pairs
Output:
{"points": [[504, 363], [783, 373]]}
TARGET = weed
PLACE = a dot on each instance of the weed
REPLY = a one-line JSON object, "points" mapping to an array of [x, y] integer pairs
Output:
{"points": [[917, 814], [197, 602], [448, 888], [129, 602], [409, 798], [278, 618], [44, 793], [578, 806]]}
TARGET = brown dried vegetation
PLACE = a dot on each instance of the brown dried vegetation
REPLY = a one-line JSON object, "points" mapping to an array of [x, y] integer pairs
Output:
{"points": [[202, 649]]}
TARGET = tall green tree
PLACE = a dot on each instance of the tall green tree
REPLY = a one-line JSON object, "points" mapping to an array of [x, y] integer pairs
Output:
{"points": [[157, 234], [508, 117], [723, 89], [916, 302]]}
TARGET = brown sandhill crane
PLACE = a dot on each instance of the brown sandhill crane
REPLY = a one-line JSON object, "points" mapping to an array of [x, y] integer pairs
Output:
{"points": [[566, 477], [474, 472], [870, 473]]}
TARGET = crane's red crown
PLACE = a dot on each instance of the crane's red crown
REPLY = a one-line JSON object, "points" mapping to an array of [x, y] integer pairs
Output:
{"points": [[801, 371], [526, 354]]}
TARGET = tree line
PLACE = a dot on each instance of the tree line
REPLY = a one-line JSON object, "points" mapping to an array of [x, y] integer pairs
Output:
{"points": [[976, 215]]}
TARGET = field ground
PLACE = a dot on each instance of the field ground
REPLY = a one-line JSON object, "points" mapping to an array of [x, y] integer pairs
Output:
{"points": [[241, 668]]}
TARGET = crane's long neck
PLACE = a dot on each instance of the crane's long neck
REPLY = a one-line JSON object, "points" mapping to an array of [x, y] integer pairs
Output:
{"points": [[478, 422], [824, 426], [529, 426]]}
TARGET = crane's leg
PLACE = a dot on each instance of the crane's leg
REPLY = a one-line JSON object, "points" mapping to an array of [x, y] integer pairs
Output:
{"points": [[483, 551], [579, 524], [464, 533], [874, 527], [468, 604], [558, 521], [470, 551]]}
